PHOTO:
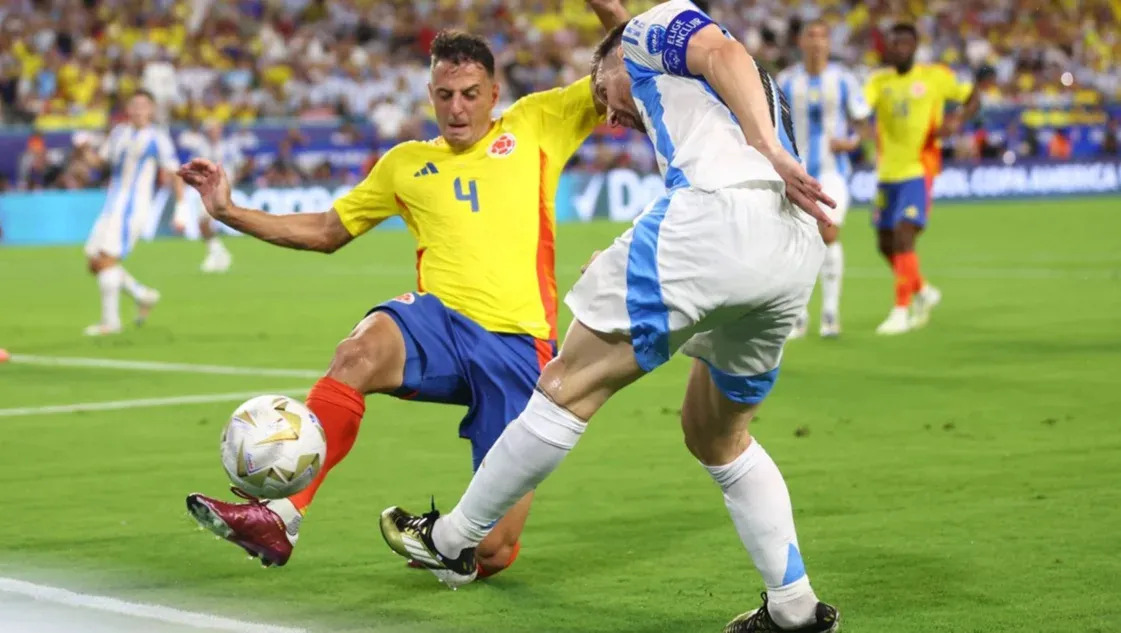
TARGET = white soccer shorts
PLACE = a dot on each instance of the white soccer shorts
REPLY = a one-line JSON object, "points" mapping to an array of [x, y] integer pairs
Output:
{"points": [[722, 276], [837, 187], [119, 226]]}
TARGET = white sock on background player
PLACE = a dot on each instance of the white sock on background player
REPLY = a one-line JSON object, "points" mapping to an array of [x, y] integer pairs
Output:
{"points": [[832, 272], [109, 281], [759, 502], [530, 448]]}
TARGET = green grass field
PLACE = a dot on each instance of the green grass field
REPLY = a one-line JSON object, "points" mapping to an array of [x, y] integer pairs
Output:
{"points": [[964, 478]]}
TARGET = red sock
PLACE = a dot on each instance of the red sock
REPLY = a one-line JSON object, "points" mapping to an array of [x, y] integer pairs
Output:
{"points": [[487, 573], [902, 264], [339, 409]]}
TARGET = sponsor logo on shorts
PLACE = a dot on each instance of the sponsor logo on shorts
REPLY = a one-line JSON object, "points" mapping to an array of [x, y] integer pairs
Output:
{"points": [[406, 298], [911, 212], [502, 146]]}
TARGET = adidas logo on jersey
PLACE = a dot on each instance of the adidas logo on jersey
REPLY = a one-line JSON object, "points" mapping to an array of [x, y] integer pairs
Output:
{"points": [[428, 168]]}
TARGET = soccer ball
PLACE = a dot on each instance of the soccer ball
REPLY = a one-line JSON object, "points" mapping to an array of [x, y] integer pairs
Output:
{"points": [[272, 447]]}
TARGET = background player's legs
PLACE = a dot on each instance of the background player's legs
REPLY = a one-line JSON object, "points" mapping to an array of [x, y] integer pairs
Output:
{"points": [[590, 368], [832, 273], [218, 258], [104, 250], [716, 433]]}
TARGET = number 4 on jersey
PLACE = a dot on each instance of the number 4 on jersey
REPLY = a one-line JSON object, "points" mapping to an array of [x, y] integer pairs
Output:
{"points": [[471, 195]]}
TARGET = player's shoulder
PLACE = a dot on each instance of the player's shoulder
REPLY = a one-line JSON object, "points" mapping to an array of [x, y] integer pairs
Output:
{"points": [[404, 151], [935, 69], [881, 74]]}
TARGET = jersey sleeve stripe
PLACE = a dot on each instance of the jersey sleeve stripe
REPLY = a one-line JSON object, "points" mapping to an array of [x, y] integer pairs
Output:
{"points": [[546, 252]]}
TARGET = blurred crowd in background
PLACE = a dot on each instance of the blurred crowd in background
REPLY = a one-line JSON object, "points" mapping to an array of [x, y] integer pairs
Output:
{"points": [[71, 64]]}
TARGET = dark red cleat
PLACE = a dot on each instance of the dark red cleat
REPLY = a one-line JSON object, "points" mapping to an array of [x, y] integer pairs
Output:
{"points": [[253, 526]]}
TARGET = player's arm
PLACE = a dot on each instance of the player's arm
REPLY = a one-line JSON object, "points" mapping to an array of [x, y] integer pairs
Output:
{"points": [[859, 113], [611, 13], [320, 232], [964, 93], [734, 75]]}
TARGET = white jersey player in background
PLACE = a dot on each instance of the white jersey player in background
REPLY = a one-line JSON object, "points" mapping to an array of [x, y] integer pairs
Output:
{"points": [[137, 153], [825, 100], [208, 143], [719, 268]]}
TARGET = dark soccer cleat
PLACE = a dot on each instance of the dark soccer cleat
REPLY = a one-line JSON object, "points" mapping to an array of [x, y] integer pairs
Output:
{"points": [[826, 620], [252, 526], [410, 536]]}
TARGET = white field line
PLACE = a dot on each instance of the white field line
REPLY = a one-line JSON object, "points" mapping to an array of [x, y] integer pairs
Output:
{"points": [[143, 365], [167, 615], [144, 402]]}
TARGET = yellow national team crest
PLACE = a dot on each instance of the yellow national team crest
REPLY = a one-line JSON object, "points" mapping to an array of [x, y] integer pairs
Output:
{"points": [[911, 212]]}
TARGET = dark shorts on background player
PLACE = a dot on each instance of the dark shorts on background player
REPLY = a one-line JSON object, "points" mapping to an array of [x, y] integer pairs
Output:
{"points": [[906, 201], [450, 359]]}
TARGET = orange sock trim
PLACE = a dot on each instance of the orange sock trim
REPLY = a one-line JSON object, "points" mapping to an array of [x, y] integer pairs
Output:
{"points": [[901, 263], [339, 408], [487, 573]]}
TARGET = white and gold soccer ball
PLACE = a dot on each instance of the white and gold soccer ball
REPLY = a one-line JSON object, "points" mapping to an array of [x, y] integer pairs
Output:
{"points": [[272, 447]]}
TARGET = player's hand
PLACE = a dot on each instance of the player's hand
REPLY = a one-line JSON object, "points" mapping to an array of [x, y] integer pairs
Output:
{"points": [[951, 125], [591, 259], [212, 184], [802, 189]]}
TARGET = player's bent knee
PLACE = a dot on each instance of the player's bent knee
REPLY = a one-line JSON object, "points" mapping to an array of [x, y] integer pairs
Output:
{"points": [[372, 358]]}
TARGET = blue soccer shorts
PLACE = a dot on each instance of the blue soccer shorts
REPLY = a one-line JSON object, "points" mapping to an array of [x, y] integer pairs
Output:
{"points": [[451, 359]]}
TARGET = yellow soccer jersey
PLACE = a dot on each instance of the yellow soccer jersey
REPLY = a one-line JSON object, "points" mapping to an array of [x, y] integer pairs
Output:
{"points": [[484, 218], [909, 109]]}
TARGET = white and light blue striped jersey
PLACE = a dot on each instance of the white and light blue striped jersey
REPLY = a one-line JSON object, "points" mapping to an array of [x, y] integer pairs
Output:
{"points": [[697, 139], [135, 157], [822, 107]]}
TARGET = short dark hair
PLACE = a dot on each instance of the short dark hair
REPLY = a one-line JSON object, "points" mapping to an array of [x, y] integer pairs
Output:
{"points": [[612, 40], [905, 28], [458, 47]]}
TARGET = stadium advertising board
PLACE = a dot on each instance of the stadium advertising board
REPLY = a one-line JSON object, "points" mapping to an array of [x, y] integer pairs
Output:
{"points": [[65, 217], [621, 194]]}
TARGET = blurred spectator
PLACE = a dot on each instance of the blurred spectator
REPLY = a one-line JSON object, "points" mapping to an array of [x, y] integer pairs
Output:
{"points": [[71, 64]]}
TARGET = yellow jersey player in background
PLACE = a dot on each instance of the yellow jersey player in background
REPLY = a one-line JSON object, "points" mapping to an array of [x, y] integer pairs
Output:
{"points": [[483, 320], [909, 101]]}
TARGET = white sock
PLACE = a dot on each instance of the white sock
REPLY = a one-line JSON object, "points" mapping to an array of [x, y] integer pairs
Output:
{"points": [[215, 248], [109, 281], [530, 448], [832, 271], [132, 288], [757, 499]]}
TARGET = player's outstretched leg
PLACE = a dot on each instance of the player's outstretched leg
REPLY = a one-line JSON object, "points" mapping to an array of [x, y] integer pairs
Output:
{"points": [[716, 432], [591, 367], [370, 360], [218, 258]]}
